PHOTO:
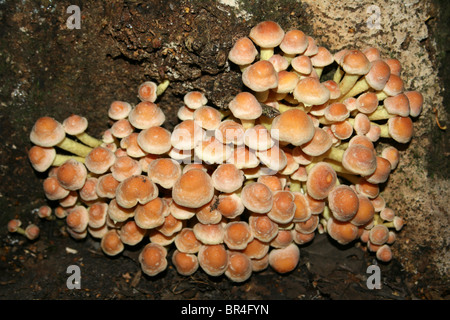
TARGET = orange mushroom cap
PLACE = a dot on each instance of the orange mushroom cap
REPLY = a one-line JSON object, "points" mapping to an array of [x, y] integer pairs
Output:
{"points": [[257, 197], [294, 42], [151, 214], [237, 234], [284, 260], [193, 189], [245, 106], [164, 172], [185, 263], [243, 52], [321, 179], [146, 114], [343, 202], [213, 259], [153, 259], [72, 175], [155, 140], [239, 267], [293, 126], [135, 189], [47, 132], [260, 76]]}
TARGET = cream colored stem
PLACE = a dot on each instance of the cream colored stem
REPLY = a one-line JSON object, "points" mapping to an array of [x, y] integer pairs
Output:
{"points": [[60, 159], [88, 140], [74, 147]]}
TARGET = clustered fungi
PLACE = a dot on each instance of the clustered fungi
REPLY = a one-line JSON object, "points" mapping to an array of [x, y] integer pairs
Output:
{"points": [[239, 190]]}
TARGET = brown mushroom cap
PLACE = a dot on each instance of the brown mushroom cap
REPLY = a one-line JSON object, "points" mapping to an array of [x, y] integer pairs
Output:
{"points": [[342, 232], [151, 214], [245, 106], [195, 99], [227, 178], [230, 131], [302, 64], [257, 197], [111, 243], [75, 124], [77, 218], [343, 202], [187, 242], [153, 259], [359, 159], [207, 117], [274, 158], [401, 129], [53, 189], [164, 171], [239, 267], [378, 75], [397, 105], [294, 42], [379, 234], [72, 175], [131, 146], [121, 128], [260, 76], [284, 260], [382, 171], [213, 259], [267, 34], [155, 140], [293, 126], [310, 91], [147, 91], [391, 154], [283, 208], [193, 189], [319, 144], [41, 158], [119, 110], [415, 102], [302, 209], [100, 160], [106, 186], [243, 52], [263, 228], [185, 263], [365, 213], [97, 214], [355, 62], [230, 205], [256, 249], [237, 234], [258, 138], [131, 234], [135, 189], [321, 179], [146, 114], [186, 135], [47, 132]]}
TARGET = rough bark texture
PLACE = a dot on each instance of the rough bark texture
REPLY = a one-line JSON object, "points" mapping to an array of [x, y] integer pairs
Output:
{"points": [[47, 69]]}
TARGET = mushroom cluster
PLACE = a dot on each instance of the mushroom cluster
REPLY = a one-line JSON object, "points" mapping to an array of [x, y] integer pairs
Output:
{"points": [[234, 192]]}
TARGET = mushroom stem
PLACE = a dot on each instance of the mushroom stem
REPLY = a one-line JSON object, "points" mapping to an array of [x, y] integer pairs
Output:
{"points": [[162, 87], [265, 53], [60, 159], [89, 140], [283, 107], [295, 186], [247, 124], [339, 73], [380, 114], [347, 82], [359, 87], [74, 147]]}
